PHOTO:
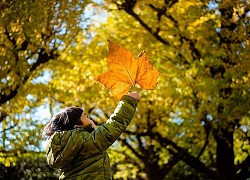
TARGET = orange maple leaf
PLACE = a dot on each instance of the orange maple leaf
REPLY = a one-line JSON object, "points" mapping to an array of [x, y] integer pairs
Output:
{"points": [[125, 71]]}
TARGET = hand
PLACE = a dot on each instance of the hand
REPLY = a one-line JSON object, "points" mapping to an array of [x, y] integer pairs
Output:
{"points": [[93, 125], [135, 95]]}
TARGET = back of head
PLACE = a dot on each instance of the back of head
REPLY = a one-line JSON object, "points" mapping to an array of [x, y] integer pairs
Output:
{"points": [[64, 120]]}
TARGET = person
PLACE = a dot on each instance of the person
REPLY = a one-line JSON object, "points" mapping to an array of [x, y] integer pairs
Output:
{"points": [[77, 147]]}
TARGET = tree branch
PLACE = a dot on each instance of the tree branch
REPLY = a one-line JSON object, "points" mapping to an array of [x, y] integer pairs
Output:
{"points": [[42, 59], [186, 157], [129, 9], [128, 6], [131, 148], [11, 127], [166, 168], [142, 149]]}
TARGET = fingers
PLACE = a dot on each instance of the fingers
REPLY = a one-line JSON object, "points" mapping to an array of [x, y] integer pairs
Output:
{"points": [[135, 95]]}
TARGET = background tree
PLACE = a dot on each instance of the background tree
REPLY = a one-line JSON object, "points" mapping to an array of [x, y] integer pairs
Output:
{"points": [[32, 33], [205, 66]]}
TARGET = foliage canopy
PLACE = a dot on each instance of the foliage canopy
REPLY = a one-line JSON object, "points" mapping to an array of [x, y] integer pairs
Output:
{"points": [[194, 125]]}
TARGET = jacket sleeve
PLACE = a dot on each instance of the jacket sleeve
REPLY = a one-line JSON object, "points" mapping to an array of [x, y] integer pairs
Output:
{"points": [[106, 134]]}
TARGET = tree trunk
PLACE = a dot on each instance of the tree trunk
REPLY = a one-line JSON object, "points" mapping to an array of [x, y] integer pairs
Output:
{"points": [[225, 154], [153, 172]]}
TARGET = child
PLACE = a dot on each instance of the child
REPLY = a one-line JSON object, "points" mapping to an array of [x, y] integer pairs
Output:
{"points": [[78, 147]]}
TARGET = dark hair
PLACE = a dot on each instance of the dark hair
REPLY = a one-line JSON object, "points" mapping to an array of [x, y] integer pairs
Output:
{"points": [[64, 120]]}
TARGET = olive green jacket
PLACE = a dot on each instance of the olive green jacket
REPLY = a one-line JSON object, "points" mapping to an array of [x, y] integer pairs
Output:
{"points": [[80, 154]]}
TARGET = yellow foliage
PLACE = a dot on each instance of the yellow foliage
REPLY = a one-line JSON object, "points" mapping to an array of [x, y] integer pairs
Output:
{"points": [[202, 70]]}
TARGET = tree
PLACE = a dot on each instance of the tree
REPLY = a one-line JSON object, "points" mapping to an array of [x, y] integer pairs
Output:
{"points": [[32, 33], [206, 72]]}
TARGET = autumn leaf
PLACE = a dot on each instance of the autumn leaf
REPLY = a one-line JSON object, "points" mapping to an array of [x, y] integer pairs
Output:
{"points": [[146, 75], [125, 71]]}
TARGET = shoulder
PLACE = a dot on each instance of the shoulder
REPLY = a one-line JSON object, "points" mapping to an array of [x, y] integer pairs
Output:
{"points": [[75, 134], [78, 132]]}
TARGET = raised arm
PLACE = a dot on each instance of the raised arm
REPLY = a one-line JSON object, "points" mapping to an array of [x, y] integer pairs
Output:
{"points": [[106, 134]]}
